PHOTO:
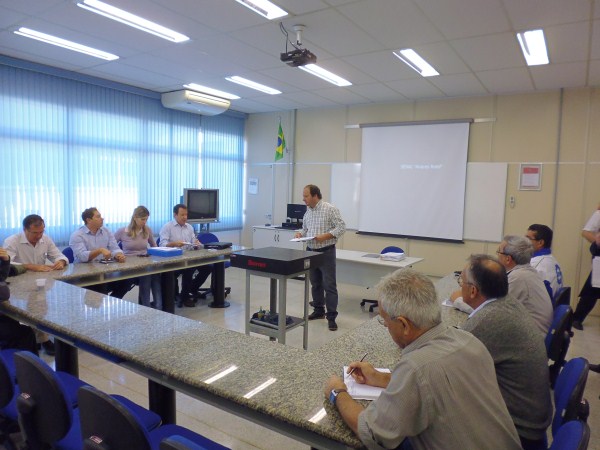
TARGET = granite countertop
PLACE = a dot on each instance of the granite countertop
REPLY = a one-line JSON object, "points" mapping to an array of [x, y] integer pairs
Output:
{"points": [[186, 352]]}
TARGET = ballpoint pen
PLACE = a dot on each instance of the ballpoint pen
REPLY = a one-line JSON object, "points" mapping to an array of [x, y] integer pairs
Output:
{"points": [[361, 360]]}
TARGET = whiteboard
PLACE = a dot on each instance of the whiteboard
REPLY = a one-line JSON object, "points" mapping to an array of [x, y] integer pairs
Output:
{"points": [[345, 191], [484, 199]]}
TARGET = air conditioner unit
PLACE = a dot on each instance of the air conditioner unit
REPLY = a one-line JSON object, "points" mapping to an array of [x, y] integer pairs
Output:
{"points": [[195, 102]]}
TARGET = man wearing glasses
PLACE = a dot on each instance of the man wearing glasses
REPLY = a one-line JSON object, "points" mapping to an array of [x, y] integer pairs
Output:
{"points": [[518, 350], [542, 260], [524, 282], [442, 393]]}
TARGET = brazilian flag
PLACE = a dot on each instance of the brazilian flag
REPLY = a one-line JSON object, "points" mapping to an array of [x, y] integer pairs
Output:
{"points": [[280, 144]]}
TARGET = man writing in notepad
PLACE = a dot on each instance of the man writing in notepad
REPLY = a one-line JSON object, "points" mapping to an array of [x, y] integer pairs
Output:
{"points": [[442, 393]]}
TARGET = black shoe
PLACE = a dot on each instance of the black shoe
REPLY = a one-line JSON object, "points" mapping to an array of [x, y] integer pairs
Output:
{"points": [[577, 325], [189, 302], [316, 315], [595, 368], [332, 325], [48, 347]]}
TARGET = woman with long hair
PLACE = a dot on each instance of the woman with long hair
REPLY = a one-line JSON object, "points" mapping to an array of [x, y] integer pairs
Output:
{"points": [[135, 239]]}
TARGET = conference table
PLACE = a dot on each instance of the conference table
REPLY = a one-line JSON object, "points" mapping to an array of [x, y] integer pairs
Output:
{"points": [[277, 386], [366, 269]]}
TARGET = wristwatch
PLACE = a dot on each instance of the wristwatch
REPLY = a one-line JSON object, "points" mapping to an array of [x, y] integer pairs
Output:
{"points": [[334, 393]]}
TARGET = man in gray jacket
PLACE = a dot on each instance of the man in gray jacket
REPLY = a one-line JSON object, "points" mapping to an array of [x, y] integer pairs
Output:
{"points": [[517, 348], [525, 284]]}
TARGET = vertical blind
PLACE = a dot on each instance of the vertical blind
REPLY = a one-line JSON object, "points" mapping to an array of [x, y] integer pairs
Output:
{"points": [[68, 145]]}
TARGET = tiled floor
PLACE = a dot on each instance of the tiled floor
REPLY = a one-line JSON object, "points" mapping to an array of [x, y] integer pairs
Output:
{"points": [[241, 434]]}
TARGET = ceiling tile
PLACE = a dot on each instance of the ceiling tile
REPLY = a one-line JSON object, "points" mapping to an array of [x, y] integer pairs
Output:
{"points": [[497, 51], [506, 81]]}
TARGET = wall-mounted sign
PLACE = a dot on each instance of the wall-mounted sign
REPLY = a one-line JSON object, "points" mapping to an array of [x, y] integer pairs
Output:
{"points": [[530, 177]]}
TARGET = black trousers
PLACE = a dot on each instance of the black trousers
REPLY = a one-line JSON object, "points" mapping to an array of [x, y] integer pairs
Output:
{"points": [[587, 300], [15, 335]]}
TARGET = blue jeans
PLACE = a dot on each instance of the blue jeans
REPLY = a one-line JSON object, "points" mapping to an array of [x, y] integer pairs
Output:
{"points": [[147, 284], [324, 286]]}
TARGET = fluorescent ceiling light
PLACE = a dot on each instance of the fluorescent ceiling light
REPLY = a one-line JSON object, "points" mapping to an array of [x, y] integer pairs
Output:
{"points": [[207, 90], [264, 7], [106, 10], [253, 85], [533, 46], [262, 387], [413, 60], [326, 75], [221, 374], [49, 39]]}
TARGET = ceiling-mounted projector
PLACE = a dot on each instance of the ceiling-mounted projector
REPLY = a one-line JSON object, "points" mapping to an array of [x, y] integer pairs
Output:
{"points": [[299, 57]]}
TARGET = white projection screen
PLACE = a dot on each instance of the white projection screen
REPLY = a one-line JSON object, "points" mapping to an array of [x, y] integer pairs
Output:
{"points": [[413, 178]]}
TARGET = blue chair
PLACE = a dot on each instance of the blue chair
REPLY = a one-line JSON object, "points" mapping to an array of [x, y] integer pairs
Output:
{"points": [[549, 289], [558, 340], [46, 409], [68, 252], [389, 249], [562, 296], [8, 398], [569, 403], [207, 238], [178, 443], [107, 425], [573, 435]]}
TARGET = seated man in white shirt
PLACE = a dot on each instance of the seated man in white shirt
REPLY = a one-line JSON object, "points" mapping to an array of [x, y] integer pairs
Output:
{"points": [[32, 249], [542, 260]]}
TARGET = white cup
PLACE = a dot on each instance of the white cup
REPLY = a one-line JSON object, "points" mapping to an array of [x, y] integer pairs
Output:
{"points": [[40, 282]]}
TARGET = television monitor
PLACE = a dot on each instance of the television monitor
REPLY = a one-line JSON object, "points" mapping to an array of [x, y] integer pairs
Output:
{"points": [[295, 212], [202, 205]]}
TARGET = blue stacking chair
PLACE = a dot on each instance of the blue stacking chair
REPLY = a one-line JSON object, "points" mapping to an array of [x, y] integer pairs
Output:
{"points": [[107, 425], [207, 238], [569, 403], [68, 252], [573, 435], [373, 303], [562, 296], [8, 398], [47, 415], [558, 340], [179, 443]]}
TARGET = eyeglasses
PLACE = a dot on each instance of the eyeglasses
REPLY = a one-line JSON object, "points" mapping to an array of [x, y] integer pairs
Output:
{"points": [[532, 239], [498, 252], [380, 320], [462, 282]]}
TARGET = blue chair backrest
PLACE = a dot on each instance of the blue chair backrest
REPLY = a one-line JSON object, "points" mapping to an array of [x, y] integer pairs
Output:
{"points": [[573, 435], [68, 252], [562, 296], [392, 249], [558, 335], [568, 392], [51, 417], [207, 238]]}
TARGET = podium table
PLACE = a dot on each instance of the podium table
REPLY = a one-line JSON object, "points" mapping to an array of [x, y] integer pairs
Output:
{"points": [[279, 265]]}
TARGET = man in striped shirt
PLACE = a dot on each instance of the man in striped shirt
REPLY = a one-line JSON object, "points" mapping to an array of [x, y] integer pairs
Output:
{"points": [[323, 222]]}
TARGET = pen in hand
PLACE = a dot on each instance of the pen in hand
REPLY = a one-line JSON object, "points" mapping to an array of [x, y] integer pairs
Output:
{"points": [[361, 360]]}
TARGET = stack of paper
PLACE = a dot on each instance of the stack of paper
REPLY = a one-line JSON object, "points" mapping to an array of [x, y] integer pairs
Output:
{"points": [[362, 391], [391, 256]]}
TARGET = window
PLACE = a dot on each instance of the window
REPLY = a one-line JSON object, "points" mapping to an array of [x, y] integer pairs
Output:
{"points": [[69, 145]]}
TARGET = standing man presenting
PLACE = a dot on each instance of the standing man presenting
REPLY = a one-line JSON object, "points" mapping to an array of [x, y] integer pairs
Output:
{"points": [[323, 222]]}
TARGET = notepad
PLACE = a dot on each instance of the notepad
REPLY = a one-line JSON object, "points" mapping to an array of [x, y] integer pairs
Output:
{"points": [[362, 391], [302, 239]]}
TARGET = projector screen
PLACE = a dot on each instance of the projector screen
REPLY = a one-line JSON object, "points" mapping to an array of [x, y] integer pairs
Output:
{"points": [[413, 179]]}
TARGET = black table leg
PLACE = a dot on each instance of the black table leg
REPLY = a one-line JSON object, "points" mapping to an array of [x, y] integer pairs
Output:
{"points": [[161, 400], [167, 280], [218, 285], [66, 358]]}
